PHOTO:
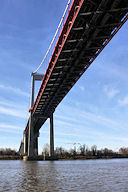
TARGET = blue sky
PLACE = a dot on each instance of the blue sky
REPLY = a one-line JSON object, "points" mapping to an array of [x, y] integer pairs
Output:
{"points": [[95, 111]]}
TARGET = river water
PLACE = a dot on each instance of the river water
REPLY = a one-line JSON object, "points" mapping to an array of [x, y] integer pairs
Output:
{"points": [[77, 175]]}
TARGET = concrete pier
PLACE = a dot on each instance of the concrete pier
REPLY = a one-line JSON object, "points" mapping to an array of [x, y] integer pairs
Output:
{"points": [[31, 137], [25, 141], [51, 152], [30, 141]]}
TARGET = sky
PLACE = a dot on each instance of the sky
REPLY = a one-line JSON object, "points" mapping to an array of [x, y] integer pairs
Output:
{"points": [[95, 111]]}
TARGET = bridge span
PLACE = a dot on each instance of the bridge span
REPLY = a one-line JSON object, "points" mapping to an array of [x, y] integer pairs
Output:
{"points": [[88, 28]]}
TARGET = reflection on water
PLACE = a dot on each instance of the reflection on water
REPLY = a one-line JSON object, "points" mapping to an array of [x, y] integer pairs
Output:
{"points": [[48, 176]]}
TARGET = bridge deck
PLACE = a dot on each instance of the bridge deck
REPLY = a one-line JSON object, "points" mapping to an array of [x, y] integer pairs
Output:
{"points": [[88, 28]]}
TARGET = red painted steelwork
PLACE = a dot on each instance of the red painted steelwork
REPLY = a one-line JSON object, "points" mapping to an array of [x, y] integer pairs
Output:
{"points": [[68, 34], [50, 68], [108, 40]]}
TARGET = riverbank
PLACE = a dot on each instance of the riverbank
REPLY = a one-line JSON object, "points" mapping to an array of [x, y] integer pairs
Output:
{"points": [[92, 158], [10, 157], [47, 158]]}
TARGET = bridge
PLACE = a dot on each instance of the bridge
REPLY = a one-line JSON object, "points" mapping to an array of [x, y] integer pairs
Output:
{"points": [[88, 28]]}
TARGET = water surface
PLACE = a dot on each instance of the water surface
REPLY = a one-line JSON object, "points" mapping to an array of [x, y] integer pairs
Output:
{"points": [[79, 175]]}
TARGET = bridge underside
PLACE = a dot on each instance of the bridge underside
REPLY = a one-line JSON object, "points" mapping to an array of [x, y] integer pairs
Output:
{"points": [[89, 27]]}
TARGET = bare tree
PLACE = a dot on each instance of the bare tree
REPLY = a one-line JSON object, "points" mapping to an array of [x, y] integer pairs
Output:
{"points": [[82, 149], [94, 150], [123, 150], [46, 149]]}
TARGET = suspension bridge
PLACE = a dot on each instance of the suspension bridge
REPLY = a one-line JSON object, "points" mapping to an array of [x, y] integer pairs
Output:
{"points": [[88, 28]]}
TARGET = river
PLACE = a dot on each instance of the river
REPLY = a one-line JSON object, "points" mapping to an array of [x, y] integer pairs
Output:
{"points": [[77, 175]]}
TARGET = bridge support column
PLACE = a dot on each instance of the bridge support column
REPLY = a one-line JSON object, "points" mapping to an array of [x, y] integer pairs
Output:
{"points": [[36, 135], [31, 152], [25, 141], [32, 138], [51, 152], [32, 141]]}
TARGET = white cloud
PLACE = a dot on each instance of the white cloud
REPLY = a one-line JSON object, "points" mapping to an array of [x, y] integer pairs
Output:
{"points": [[61, 133], [110, 92], [81, 118], [124, 101], [100, 119], [14, 90], [8, 126], [89, 133], [9, 103], [67, 118], [6, 103], [11, 131], [63, 123], [13, 112], [82, 88], [13, 109]]}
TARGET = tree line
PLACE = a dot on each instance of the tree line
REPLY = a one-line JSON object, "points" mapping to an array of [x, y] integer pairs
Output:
{"points": [[83, 151], [8, 152], [80, 152]]}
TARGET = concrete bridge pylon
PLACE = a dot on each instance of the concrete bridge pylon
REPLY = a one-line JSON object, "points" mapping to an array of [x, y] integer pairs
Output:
{"points": [[30, 138]]}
